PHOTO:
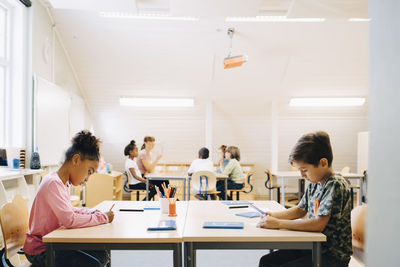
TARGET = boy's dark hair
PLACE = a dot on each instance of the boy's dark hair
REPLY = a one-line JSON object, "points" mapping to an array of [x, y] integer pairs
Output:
{"points": [[204, 153], [86, 145], [129, 147], [234, 151], [311, 148]]}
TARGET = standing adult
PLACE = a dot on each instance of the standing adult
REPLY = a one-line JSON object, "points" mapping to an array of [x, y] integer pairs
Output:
{"points": [[147, 162]]}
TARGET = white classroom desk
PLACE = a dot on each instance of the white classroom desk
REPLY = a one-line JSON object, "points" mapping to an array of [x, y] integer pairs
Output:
{"points": [[284, 175], [128, 231], [196, 237], [182, 176]]}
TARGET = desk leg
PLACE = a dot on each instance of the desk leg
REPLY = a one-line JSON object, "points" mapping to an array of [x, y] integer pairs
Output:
{"points": [[147, 189], [190, 255], [226, 188], [189, 180], [50, 255], [282, 191], [178, 255], [316, 254], [184, 189], [361, 192]]}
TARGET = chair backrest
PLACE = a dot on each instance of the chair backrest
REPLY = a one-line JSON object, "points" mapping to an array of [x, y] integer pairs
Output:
{"points": [[14, 219], [211, 181], [345, 169], [268, 181], [126, 181], [358, 226], [248, 183]]}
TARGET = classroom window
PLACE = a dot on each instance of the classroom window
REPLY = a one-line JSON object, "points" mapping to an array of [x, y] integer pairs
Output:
{"points": [[4, 67]]}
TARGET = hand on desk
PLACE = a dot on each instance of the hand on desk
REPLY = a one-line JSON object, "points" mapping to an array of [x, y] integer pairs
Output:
{"points": [[110, 215], [268, 222]]}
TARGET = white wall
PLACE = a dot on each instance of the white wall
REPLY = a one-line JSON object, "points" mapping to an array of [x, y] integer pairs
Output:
{"points": [[383, 218], [56, 67]]}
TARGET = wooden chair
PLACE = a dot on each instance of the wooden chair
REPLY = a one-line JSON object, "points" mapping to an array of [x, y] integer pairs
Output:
{"points": [[247, 189], [268, 184], [358, 216], [14, 219], [203, 182]]}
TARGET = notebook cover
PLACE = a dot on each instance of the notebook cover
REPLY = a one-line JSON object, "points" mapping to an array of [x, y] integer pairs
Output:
{"points": [[236, 202], [163, 225], [151, 208], [250, 214], [223, 225]]}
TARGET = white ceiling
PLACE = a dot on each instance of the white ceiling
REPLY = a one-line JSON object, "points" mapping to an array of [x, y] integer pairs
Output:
{"points": [[131, 57]]}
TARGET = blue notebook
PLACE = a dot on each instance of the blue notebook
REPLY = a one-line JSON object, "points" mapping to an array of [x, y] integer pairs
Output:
{"points": [[163, 225], [236, 202], [223, 225], [250, 214]]}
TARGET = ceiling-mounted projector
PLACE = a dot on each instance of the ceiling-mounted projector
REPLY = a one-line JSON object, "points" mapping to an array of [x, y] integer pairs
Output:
{"points": [[233, 61]]}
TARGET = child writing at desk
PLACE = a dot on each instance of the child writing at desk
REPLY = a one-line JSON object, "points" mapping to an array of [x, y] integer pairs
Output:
{"points": [[327, 202], [52, 208]]}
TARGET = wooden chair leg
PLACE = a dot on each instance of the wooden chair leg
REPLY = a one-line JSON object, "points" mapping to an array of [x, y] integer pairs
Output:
{"points": [[137, 195], [231, 194]]}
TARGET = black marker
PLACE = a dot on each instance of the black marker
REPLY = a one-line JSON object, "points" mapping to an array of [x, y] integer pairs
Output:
{"points": [[130, 210], [238, 207]]}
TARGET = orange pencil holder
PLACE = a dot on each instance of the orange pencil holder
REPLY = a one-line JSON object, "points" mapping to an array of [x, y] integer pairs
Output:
{"points": [[172, 210]]}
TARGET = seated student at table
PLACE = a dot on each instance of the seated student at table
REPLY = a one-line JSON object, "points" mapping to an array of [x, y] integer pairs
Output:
{"points": [[52, 207], [147, 162], [203, 163], [233, 170], [222, 161], [327, 202], [135, 177]]}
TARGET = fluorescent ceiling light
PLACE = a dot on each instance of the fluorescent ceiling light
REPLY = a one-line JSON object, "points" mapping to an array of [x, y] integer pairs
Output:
{"points": [[122, 15], [273, 19], [156, 102], [359, 19], [327, 102]]}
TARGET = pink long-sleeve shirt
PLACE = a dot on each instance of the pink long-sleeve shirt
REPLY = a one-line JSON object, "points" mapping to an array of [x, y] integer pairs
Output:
{"points": [[52, 209]]}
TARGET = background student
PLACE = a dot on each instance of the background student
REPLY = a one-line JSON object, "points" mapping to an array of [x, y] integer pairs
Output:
{"points": [[147, 162], [52, 207], [233, 170], [222, 161], [327, 202], [135, 177], [202, 163]]}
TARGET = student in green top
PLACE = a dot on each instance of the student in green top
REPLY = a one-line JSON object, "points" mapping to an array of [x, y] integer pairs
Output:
{"points": [[233, 170], [326, 201]]}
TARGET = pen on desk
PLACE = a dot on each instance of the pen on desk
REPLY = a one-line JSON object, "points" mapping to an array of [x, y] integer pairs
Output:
{"points": [[131, 210], [238, 207], [112, 207]]}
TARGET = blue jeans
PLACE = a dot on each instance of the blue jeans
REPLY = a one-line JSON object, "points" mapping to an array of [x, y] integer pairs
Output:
{"points": [[231, 185], [67, 258]]}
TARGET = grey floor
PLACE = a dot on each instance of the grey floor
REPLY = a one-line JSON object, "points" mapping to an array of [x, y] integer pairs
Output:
{"points": [[205, 258]]}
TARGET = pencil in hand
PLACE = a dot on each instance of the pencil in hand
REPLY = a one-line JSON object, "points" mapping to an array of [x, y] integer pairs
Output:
{"points": [[112, 207]]}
